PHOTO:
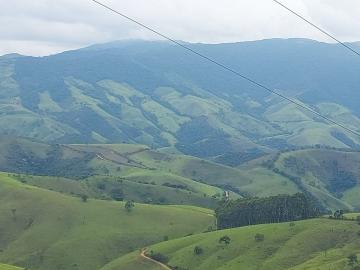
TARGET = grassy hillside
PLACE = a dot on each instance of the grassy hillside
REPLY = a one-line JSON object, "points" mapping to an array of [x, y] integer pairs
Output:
{"points": [[42, 229], [142, 174], [98, 170], [312, 245], [152, 176], [331, 175]]}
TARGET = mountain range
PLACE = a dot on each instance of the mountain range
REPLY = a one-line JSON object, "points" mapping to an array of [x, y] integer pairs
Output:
{"points": [[157, 94]]}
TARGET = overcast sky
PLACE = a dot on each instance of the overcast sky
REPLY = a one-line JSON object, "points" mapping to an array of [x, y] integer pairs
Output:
{"points": [[42, 27]]}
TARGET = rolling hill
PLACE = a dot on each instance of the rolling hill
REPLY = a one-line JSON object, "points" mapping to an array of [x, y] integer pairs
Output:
{"points": [[312, 245], [330, 175], [42, 229], [136, 172], [155, 94], [121, 172]]}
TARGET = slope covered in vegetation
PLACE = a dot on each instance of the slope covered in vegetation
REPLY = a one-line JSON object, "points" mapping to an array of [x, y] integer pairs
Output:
{"points": [[41, 229], [141, 92], [333, 176], [312, 245]]}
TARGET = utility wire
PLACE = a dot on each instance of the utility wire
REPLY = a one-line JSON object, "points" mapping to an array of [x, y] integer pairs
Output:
{"points": [[300, 105], [317, 27]]}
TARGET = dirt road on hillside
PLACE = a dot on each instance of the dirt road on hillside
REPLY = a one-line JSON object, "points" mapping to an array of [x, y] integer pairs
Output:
{"points": [[143, 255]]}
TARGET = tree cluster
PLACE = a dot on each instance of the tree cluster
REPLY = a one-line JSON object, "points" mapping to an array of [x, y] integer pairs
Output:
{"points": [[275, 209]]}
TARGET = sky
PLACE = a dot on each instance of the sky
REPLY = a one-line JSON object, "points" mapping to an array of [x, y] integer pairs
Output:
{"points": [[44, 27]]}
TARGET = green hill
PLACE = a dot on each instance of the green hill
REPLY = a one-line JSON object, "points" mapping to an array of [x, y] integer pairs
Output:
{"points": [[311, 245], [43, 229], [100, 170], [154, 176]]}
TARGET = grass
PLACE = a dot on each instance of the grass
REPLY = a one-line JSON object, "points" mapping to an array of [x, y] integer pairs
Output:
{"points": [[47, 230], [266, 183], [311, 244], [352, 215], [9, 267], [131, 261]]}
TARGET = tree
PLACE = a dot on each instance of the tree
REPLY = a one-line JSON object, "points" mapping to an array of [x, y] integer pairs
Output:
{"points": [[352, 260], [225, 239], [84, 197], [198, 250], [275, 209], [339, 214], [129, 205]]}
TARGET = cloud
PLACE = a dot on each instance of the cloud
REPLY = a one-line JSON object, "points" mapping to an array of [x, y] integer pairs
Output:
{"points": [[48, 26]]}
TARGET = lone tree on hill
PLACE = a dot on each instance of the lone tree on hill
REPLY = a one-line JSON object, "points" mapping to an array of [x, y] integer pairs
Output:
{"points": [[129, 205], [225, 239]]}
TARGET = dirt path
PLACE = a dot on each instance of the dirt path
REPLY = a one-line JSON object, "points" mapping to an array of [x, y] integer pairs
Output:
{"points": [[143, 255]]}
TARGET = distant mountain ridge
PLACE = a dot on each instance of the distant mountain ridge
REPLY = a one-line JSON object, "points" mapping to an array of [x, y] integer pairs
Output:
{"points": [[157, 94]]}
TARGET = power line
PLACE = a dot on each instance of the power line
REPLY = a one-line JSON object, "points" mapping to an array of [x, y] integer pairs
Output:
{"points": [[228, 69], [317, 27]]}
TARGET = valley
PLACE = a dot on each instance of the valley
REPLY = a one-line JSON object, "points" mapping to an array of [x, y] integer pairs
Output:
{"points": [[133, 155]]}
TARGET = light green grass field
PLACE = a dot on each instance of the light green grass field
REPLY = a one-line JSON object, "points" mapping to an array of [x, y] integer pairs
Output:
{"points": [[312, 244], [9, 267], [42, 229]]}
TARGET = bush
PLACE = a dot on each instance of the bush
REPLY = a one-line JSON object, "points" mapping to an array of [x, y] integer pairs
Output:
{"points": [[352, 260], [198, 250], [159, 257], [225, 239], [259, 237], [84, 197], [129, 205]]}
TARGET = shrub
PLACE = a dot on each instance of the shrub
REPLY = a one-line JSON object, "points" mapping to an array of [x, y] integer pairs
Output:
{"points": [[159, 257], [198, 250], [225, 239], [129, 205], [84, 197], [259, 237]]}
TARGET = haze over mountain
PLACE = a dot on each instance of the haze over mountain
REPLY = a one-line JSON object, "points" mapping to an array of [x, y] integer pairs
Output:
{"points": [[157, 94]]}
